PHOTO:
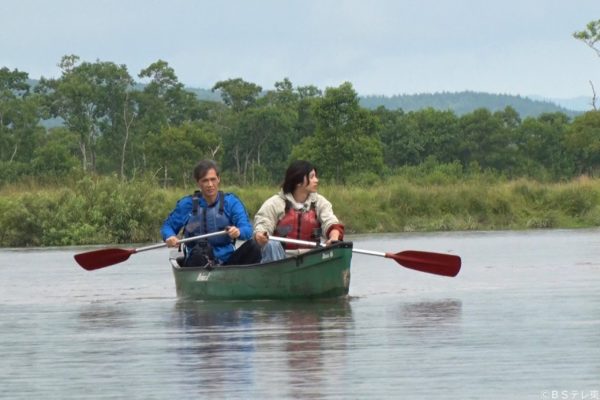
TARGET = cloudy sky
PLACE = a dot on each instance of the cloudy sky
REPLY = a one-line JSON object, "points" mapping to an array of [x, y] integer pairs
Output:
{"points": [[386, 47]]}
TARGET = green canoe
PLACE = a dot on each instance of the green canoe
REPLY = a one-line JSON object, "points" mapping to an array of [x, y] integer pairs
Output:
{"points": [[319, 273]]}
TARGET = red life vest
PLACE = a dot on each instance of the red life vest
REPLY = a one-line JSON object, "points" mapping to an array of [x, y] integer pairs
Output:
{"points": [[299, 224]]}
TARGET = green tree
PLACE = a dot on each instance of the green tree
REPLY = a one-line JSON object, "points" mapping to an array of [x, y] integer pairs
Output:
{"points": [[345, 142], [117, 105], [56, 154], [583, 139], [162, 104], [591, 36], [542, 144], [237, 93], [284, 95], [174, 151], [164, 100], [489, 139], [402, 143], [19, 117], [308, 97], [93, 100], [267, 132]]}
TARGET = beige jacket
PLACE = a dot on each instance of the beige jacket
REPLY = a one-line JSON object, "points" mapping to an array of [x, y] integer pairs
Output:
{"points": [[273, 209]]}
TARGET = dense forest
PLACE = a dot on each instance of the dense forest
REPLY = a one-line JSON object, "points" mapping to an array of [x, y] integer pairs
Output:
{"points": [[151, 125]]}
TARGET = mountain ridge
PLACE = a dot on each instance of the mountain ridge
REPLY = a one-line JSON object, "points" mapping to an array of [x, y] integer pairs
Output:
{"points": [[465, 102], [460, 102]]}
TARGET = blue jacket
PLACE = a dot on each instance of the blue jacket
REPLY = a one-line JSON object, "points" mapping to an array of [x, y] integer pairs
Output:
{"points": [[234, 211]]}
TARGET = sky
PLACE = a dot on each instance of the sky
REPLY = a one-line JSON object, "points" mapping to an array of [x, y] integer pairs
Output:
{"points": [[382, 47]]}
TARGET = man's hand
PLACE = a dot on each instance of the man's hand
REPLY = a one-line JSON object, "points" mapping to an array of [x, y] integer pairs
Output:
{"points": [[233, 232], [172, 241]]}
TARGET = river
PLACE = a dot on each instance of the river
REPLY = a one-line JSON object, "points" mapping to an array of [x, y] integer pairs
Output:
{"points": [[520, 321]]}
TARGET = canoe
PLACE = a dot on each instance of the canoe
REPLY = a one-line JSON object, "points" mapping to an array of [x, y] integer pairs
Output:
{"points": [[319, 273]]}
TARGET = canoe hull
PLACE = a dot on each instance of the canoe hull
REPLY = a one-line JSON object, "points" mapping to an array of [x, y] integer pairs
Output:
{"points": [[319, 273]]}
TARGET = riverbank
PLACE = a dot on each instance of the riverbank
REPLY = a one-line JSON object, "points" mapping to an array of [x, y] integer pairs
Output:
{"points": [[106, 210]]}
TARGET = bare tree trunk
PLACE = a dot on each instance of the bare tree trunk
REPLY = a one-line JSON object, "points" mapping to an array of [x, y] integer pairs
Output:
{"points": [[213, 152], [127, 126], [593, 97], [92, 140], [12, 157], [166, 177], [246, 163], [83, 155], [236, 157]]}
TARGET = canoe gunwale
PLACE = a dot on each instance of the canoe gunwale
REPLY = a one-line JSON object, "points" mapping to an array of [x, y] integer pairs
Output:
{"points": [[297, 258]]}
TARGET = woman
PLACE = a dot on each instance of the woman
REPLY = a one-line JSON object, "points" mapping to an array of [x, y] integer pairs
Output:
{"points": [[296, 212]]}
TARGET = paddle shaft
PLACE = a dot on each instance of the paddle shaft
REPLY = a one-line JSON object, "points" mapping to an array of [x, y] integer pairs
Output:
{"points": [[424, 261], [317, 244], [96, 259], [190, 239]]}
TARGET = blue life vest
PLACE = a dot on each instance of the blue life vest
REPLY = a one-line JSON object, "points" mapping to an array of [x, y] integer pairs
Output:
{"points": [[208, 219]]}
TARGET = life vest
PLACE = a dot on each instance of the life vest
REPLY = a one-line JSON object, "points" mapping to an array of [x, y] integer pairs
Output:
{"points": [[299, 224], [208, 219]]}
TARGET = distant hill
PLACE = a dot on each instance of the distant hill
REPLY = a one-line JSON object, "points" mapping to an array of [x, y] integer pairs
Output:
{"points": [[459, 102], [205, 94], [580, 103], [464, 103]]}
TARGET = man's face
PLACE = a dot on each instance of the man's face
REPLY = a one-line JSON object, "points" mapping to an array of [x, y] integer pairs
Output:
{"points": [[209, 184]]}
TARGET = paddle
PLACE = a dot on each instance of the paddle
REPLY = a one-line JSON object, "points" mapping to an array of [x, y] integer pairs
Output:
{"points": [[96, 259], [424, 261]]}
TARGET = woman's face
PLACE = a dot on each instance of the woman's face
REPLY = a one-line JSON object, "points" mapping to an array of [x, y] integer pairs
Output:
{"points": [[312, 183]]}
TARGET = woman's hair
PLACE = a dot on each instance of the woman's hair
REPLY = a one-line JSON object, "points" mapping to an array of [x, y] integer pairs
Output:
{"points": [[295, 174], [202, 168]]}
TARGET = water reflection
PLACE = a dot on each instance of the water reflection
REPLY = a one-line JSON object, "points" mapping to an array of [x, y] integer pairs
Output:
{"points": [[230, 346], [104, 316], [431, 318]]}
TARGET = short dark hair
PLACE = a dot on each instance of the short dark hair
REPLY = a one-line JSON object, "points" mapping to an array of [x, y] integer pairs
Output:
{"points": [[295, 174], [202, 168]]}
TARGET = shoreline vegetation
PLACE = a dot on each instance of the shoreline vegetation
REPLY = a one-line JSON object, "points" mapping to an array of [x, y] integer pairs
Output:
{"points": [[119, 153], [107, 210]]}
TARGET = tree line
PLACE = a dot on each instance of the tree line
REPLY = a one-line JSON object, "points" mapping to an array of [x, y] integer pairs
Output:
{"points": [[112, 125]]}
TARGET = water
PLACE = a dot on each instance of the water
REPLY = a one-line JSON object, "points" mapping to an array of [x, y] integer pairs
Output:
{"points": [[521, 321]]}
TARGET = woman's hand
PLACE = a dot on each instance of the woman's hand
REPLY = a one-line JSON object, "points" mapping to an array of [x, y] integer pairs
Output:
{"points": [[334, 236], [262, 238]]}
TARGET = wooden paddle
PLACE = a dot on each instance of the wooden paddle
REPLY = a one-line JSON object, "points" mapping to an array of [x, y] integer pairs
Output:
{"points": [[97, 259], [424, 261]]}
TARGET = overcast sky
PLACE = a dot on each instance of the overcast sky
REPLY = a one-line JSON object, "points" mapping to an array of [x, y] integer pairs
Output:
{"points": [[386, 47]]}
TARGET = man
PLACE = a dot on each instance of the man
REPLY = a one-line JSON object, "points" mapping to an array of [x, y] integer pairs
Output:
{"points": [[210, 210]]}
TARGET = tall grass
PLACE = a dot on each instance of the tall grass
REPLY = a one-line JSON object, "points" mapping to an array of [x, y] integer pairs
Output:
{"points": [[107, 210]]}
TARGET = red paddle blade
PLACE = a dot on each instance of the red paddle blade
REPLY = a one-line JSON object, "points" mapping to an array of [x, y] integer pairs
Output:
{"points": [[96, 259], [424, 261]]}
